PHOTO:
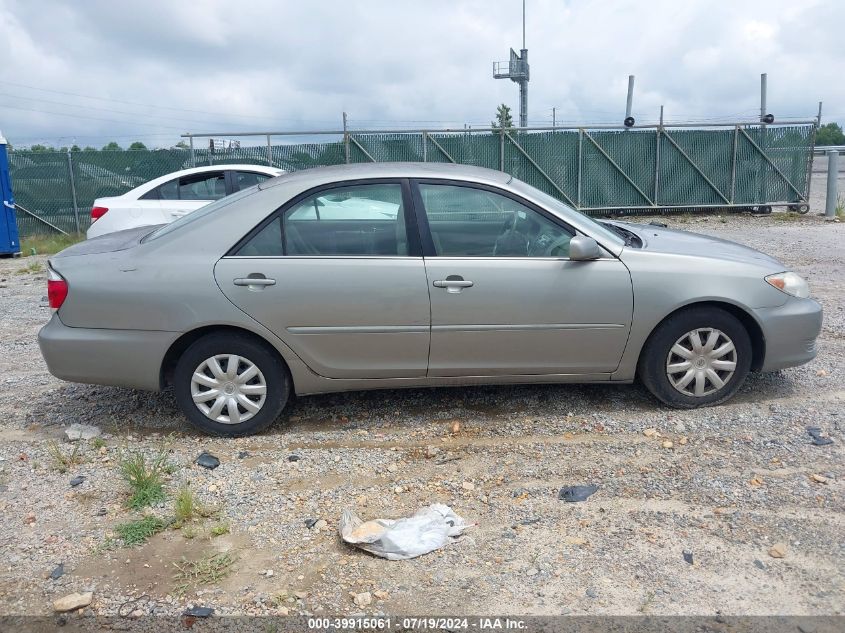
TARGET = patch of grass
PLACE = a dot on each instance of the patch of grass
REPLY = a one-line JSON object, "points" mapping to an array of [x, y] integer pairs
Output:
{"points": [[206, 570], [789, 216], [840, 208], [137, 532], [219, 529], [189, 532], [98, 443], [61, 461], [31, 268], [185, 506], [145, 479], [49, 244], [109, 544]]}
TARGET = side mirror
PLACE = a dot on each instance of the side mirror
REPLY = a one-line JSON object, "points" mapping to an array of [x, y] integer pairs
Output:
{"points": [[583, 248]]}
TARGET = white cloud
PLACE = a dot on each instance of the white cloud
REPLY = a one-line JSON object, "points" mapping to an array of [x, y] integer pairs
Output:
{"points": [[298, 65]]}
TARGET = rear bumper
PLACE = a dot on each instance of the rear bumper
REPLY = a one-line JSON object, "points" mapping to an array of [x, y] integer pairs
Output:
{"points": [[123, 358], [790, 331]]}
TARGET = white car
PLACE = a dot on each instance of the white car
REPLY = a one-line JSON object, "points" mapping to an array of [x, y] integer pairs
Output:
{"points": [[166, 198]]}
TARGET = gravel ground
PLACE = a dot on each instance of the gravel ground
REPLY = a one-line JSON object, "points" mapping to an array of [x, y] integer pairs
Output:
{"points": [[735, 481]]}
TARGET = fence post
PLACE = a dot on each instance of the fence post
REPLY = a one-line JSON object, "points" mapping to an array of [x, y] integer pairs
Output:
{"points": [[73, 191], [193, 156], [269, 152], [832, 175], [425, 146], [502, 148], [345, 138]]}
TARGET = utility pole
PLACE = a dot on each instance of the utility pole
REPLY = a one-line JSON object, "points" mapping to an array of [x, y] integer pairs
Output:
{"points": [[554, 120], [516, 69]]}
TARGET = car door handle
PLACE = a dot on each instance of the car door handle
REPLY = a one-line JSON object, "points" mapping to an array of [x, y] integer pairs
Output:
{"points": [[453, 285], [254, 283]]}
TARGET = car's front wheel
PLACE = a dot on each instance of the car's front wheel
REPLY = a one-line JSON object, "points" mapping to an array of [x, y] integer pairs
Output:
{"points": [[695, 358], [231, 385]]}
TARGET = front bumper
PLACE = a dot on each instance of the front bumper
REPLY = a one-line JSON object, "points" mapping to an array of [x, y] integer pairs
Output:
{"points": [[123, 358], [790, 332]]}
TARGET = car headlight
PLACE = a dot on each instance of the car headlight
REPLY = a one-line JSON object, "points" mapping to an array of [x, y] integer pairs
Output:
{"points": [[790, 283]]}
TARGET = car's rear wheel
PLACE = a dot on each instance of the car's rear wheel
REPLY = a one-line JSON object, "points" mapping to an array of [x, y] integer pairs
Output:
{"points": [[231, 385], [695, 358]]}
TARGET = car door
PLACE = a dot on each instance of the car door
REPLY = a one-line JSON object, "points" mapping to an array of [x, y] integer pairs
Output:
{"points": [[506, 299], [338, 276], [188, 193]]}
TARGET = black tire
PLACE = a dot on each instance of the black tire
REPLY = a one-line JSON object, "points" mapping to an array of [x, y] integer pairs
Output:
{"points": [[652, 368], [275, 373]]}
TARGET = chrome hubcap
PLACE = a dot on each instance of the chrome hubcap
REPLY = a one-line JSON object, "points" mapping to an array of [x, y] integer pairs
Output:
{"points": [[701, 362], [228, 388]]}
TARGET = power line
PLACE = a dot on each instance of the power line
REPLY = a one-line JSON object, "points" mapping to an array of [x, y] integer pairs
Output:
{"points": [[158, 107]]}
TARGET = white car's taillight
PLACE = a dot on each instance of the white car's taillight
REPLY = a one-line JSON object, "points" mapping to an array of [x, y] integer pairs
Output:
{"points": [[56, 288], [97, 213], [790, 283]]}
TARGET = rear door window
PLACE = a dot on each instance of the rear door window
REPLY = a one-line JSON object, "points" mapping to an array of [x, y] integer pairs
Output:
{"points": [[356, 220]]}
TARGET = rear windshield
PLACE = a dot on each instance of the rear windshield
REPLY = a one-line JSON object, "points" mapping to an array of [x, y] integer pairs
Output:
{"points": [[198, 214]]}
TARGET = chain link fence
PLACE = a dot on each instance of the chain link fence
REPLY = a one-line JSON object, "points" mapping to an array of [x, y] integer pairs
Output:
{"points": [[597, 170]]}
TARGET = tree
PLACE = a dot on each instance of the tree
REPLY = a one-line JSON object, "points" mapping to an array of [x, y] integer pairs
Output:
{"points": [[830, 134], [181, 145], [39, 148], [504, 120], [113, 146], [137, 145], [88, 148], [75, 148]]}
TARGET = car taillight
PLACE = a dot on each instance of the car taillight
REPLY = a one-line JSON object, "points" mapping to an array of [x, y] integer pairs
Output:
{"points": [[97, 213], [56, 288]]}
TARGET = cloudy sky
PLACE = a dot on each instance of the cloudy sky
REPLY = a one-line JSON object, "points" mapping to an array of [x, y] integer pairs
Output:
{"points": [[91, 71]]}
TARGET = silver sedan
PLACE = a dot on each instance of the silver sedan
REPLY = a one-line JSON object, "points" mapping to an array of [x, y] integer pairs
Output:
{"points": [[408, 275]]}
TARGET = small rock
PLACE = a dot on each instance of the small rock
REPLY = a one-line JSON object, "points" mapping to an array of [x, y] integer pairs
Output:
{"points": [[756, 481], [683, 441], [58, 572], [198, 612], [73, 601], [398, 490], [392, 468], [650, 432], [667, 444], [468, 485], [818, 439], [688, 556], [282, 610], [819, 479], [101, 512], [301, 594], [243, 454], [76, 481], [759, 564], [364, 599], [207, 460], [29, 519], [572, 494], [294, 458], [778, 550], [431, 451], [591, 593], [821, 373], [309, 523], [532, 572], [455, 427], [320, 525], [78, 431], [381, 595]]}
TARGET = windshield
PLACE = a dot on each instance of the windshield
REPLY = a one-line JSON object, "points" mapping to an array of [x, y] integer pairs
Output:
{"points": [[564, 209], [199, 213]]}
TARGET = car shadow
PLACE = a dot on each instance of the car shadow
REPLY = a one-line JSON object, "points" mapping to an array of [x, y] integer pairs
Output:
{"points": [[121, 411]]}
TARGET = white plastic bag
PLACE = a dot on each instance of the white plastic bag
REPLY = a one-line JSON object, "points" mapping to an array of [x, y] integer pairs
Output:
{"points": [[427, 530]]}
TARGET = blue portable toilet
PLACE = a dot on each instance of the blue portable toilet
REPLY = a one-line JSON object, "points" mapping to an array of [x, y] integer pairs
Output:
{"points": [[10, 242]]}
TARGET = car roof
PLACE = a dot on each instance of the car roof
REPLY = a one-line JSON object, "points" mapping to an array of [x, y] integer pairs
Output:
{"points": [[324, 175]]}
